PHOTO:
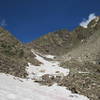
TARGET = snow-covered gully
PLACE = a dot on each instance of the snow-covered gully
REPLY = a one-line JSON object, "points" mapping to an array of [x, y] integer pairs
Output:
{"points": [[11, 88]]}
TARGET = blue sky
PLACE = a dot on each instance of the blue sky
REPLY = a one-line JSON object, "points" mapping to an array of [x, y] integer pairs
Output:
{"points": [[30, 19]]}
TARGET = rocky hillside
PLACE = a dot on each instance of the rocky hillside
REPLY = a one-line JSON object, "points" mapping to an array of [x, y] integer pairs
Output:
{"points": [[53, 43], [89, 47], [63, 41], [14, 55], [79, 51], [84, 63]]}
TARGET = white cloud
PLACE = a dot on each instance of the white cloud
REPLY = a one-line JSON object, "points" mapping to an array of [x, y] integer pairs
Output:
{"points": [[3, 23], [85, 22]]}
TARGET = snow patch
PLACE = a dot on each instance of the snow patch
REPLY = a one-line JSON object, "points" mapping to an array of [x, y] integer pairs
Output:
{"points": [[47, 67], [83, 72], [50, 56], [11, 96], [11, 89], [85, 22]]}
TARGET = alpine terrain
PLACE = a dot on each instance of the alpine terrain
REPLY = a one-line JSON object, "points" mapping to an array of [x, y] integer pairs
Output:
{"points": [[62, 65]]}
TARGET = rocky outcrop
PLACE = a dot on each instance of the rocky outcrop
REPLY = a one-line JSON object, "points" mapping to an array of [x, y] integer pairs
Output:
{"points": [[54, 43]]}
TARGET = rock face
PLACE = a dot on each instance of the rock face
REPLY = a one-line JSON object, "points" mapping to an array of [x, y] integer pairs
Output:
{"points": [[53, 43]]}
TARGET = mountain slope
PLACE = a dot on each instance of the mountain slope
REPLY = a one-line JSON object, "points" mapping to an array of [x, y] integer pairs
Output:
{"points": [[14, 55], [84, 64], [53, 43], [63, 41], [77, 51], [29, 90]]}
